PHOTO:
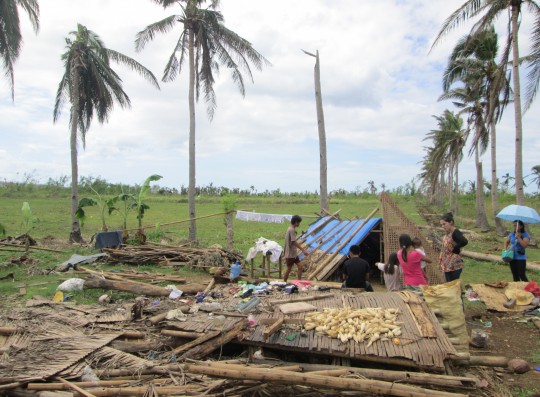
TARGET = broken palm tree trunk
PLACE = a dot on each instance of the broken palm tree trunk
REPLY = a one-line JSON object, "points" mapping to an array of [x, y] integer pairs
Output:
{"points": [[139, 288]]}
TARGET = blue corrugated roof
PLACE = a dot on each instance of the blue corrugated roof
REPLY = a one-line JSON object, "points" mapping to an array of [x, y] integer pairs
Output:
{"points": [[336, 232]]}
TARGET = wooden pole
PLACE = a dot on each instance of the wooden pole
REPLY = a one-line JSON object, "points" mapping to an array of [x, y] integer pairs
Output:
{"points": [[327, 382], [32, 247], [181, 334]]}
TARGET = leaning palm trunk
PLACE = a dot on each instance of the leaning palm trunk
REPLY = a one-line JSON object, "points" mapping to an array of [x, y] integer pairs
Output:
{"points": [[520, 197], [75, 234], [494, 183], [191, 187]]}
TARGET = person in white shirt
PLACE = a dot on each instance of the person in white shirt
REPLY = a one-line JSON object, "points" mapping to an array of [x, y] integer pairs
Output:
{"points": [[392, 273]]}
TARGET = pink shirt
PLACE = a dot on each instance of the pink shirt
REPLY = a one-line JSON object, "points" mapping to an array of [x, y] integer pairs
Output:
{"points": [[412, 270]]}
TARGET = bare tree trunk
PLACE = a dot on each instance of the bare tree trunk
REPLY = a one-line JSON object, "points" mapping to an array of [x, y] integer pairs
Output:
{"points": [[520, 196], [481, 217], [230, 230], [75, 235], [494, 183], [323, 179], [191, 187]]}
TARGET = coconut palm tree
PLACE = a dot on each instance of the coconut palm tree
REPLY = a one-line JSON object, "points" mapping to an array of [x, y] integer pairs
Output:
{"points": [[207, 44], [536, 175], [10, 33], [483, 92], [446, 153], [91, 86], [488, 11]]}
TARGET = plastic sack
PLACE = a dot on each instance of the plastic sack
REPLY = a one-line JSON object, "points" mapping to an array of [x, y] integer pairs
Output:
{"points": [[73, 284], [447, 298]]}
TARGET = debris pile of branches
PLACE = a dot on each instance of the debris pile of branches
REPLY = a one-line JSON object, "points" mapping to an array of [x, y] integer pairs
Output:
{"points": [[109, 350], [214, 256]]}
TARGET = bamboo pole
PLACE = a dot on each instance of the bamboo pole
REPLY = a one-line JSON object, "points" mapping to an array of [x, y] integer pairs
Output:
{"points": [[32, 247], [76, 388], [327, 382], [302, 299], [181, 334]]}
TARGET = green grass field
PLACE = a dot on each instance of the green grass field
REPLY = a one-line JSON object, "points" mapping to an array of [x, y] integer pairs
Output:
{"points": [[170, 213]]}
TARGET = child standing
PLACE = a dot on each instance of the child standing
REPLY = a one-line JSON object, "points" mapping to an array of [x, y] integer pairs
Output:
{"points": [[291, 248], [391, 273], [417, 245]]}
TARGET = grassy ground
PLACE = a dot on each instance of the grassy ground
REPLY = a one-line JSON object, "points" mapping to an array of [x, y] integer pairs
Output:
{"points": [[170, 213]]}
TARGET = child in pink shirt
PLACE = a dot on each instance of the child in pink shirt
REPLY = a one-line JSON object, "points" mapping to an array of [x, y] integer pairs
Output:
{"points": [[410, 262]]}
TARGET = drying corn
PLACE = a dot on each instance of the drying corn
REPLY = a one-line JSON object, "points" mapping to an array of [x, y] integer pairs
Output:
{"points": [[362, 325]]}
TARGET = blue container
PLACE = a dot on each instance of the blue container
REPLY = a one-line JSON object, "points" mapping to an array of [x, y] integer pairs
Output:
{"points": [[236, 269]]}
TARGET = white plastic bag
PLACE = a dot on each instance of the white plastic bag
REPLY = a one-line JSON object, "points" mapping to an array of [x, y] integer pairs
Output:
{"points": [[73, 284]]}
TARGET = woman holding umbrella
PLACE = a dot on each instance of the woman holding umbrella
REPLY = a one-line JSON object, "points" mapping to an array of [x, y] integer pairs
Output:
{"points": [[518, 240]]}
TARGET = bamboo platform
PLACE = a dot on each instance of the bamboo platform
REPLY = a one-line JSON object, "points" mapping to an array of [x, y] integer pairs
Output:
{"points": [[423, 343]]}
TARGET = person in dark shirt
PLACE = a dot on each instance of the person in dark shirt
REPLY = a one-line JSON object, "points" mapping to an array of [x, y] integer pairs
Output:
{"points": [[356, 271]]}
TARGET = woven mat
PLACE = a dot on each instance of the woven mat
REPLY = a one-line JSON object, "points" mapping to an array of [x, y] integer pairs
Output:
{"points": [[494, 298]]}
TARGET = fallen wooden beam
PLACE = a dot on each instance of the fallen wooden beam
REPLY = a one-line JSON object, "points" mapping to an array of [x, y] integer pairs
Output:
{"points": [[135, 347], [138, 288], [269, 330], [327, 382], [196, 342], [208, 347]]}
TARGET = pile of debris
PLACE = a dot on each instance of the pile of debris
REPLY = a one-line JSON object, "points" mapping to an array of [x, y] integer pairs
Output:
{"points": [[203, 343]]}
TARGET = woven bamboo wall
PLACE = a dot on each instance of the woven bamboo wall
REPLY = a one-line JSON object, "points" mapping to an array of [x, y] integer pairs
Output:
{"points": [[395, 223]]}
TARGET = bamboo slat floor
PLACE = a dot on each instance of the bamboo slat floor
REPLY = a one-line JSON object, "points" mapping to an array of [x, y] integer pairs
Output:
{"points": [[413, 350]]}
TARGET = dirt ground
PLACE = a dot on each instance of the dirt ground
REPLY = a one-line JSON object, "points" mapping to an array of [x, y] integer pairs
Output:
{"points": [[509, 336]]}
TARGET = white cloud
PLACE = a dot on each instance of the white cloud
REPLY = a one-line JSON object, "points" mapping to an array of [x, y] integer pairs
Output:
{"points": [[380, 86]]}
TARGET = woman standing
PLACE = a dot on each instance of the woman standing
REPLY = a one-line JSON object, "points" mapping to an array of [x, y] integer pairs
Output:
{"points": [[409, 260], [519, 240], [450, 259]]}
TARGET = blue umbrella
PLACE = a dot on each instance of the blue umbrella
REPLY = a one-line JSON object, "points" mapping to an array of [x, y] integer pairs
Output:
{"points": [[519, 213]]}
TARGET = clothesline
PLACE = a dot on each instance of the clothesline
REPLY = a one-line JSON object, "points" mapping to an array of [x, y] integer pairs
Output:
{"points": [[252, 216]]}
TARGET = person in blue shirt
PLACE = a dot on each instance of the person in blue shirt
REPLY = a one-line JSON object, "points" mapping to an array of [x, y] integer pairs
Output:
{"points": [[518, 241]]}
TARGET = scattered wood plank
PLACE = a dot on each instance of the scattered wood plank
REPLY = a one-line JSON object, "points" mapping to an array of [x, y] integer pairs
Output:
{"points": [[208, 347], [269, 330], [196, 342]]}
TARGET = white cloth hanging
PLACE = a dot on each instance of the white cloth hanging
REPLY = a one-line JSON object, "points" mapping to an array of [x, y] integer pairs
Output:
{"points": [[265, 246]]}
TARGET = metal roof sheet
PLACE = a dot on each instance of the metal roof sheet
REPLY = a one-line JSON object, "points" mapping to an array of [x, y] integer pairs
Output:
{"points": [[335, 233]]}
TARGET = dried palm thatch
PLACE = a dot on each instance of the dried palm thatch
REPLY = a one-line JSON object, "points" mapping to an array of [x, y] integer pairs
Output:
{"points": [[108, 358], [143, 254], [47, 354]]}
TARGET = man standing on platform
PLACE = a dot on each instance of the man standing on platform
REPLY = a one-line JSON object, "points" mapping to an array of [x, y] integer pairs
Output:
{"points": [[291, 248]]}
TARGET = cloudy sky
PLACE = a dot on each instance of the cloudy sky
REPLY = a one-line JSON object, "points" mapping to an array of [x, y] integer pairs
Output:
{"points": [[380, 86]]}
